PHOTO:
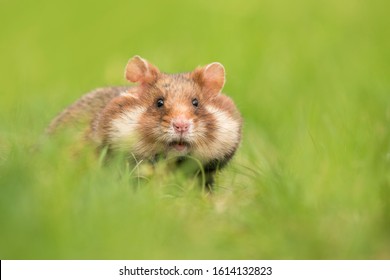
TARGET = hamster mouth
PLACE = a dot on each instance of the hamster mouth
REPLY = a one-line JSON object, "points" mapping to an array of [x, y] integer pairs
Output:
{"points": [[180, 145]]}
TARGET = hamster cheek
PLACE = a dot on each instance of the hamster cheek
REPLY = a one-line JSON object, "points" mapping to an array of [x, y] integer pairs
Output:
{"points": [[222, 139], [124, 129]]}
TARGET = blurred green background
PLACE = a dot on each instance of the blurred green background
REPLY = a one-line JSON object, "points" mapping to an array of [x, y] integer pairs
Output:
{"points": [[310, 181]]}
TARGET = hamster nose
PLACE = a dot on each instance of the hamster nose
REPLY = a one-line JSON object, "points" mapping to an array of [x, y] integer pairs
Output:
{"points": [[180, 125]]}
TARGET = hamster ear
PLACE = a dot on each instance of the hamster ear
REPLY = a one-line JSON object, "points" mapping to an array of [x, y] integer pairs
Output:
{"points": [[211, 77], [139, 70]]}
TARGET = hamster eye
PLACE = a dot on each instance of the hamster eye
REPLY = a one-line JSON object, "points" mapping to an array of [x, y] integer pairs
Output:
{"points": [[160, 102], [195, 102]]}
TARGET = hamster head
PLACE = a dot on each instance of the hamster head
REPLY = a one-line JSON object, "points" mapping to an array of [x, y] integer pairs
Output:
{"points": [[175, 114]]}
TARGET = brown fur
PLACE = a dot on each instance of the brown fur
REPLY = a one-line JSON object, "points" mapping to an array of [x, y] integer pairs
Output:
{"points": [[132, 122], [85, 109]]}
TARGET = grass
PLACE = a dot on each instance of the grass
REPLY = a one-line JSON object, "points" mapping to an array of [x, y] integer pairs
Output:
{"points": [[310, 181]]}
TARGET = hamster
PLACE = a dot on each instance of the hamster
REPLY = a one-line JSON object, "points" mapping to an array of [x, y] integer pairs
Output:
{"points": [[164, 115]]}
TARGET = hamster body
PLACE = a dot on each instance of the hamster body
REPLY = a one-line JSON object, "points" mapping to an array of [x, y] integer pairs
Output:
{"points": [[168, 115]]}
